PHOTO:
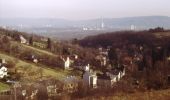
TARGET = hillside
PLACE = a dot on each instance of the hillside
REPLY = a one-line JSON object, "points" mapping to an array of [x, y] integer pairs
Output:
{"points": [[142, 53], [141, 22], [125, 37], [55, 73], [31, 48]]}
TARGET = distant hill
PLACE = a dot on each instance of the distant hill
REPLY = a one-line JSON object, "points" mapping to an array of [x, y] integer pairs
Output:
{"points": [[67, 29], [121, 38], [143, 22]]}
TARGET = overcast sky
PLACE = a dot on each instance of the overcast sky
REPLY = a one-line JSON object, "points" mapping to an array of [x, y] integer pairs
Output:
{"points": [[83, 9]]}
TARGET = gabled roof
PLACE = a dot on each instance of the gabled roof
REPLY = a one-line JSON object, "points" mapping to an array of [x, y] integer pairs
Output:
{"points": [[106, 77], [103, 76]]}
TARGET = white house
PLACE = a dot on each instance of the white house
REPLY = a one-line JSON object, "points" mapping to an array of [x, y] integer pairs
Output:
{"points": [[3, 72], [82, 66], [35, 60], [2, 61], [108, 79], [102, 59], [105, 81], [66, 63], [23, 40], [75, 56], [90, 79], [87, 67], [119, 73]]}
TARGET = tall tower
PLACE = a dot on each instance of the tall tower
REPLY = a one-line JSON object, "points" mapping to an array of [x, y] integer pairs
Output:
{"points": [[102, 24], [132, 27]]}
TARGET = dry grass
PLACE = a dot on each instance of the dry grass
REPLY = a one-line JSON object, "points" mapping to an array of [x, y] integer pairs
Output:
{"points": [[152, 95], [34, 49], [162, 34]]}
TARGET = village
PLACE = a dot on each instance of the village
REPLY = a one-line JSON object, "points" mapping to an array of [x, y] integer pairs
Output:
{"points": [[76, 71], [89, 77]]}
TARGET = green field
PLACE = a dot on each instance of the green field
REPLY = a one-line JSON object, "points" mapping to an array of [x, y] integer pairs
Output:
{"points": [[4, 86], [55, 73]]}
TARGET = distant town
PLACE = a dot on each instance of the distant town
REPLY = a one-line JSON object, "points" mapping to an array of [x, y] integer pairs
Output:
{"points": [[66, 30]]}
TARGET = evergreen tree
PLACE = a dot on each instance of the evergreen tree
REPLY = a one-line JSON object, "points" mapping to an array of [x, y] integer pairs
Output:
{"points": [[31, 40], [49, 43]]}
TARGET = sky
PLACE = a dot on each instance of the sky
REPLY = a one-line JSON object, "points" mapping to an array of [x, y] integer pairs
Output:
{"points": [[82, 9]]}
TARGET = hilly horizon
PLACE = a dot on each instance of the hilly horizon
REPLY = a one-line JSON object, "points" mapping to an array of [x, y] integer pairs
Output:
{"points": [[66, 29], [141, 22]]}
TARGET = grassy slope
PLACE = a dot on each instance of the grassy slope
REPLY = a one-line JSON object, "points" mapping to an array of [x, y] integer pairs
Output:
{"points": [[4, 86], [56, 73], [39, 50], [34, 49]]}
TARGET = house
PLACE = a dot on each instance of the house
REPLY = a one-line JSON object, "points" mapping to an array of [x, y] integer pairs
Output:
{"points": [[103, 51], [87, 67], [34, 59], [3, 71], [102, 59], [2, 61], [70, 84], [23, 40], [108, 79], [66, 62], [75, 56], [80, 65], [54, 89], [90, 79], [120, 71]]}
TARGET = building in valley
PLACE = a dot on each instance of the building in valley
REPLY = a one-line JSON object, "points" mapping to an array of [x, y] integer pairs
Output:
{"points": [[90, 79]]}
